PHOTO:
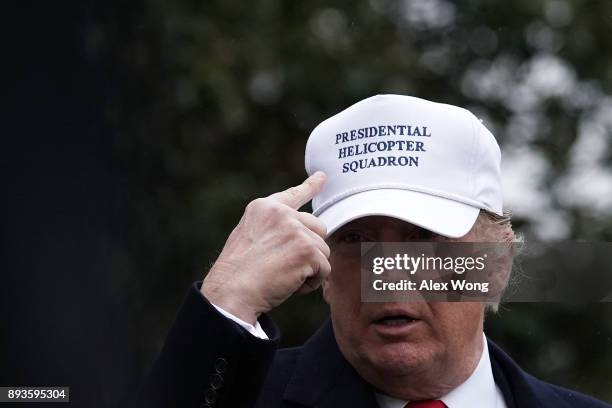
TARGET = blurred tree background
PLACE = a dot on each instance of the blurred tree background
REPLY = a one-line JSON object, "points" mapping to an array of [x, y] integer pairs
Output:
{"points": [[215, 101]]}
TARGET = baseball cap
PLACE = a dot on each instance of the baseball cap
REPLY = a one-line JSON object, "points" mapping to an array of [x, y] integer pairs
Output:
{"points": [[430, 164]]}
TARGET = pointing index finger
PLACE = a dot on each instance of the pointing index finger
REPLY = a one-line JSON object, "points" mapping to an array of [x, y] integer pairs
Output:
{"points": [[297, 196]]}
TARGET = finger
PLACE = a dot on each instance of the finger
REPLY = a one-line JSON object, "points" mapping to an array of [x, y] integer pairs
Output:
{"points": [[319, 242], [297, 196], [313, 223], [322, 269]]}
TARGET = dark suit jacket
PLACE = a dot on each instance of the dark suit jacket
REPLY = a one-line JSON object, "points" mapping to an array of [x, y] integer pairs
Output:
{"points": [[210, 361]]}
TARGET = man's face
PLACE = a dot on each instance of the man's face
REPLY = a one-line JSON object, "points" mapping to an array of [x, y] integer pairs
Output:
{"points": [[388, 341]]}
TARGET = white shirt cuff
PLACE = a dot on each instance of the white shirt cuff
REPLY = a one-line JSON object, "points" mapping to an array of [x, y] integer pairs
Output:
{"points": [[256, 330]]}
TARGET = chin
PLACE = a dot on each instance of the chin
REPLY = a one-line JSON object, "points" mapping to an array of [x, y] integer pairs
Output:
{"points": [[400, 358]]}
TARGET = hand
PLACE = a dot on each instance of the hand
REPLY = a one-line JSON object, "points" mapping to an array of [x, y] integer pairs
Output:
{"points": [[274, 251]]}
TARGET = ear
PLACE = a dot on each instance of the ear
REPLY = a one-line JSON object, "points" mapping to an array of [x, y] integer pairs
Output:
{"points": [[501, 268]]}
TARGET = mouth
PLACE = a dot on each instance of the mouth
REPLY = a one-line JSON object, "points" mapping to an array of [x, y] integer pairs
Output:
{"points": [[395, 323], [395, 320]]}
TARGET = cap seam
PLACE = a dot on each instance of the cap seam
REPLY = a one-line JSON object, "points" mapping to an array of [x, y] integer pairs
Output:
{"points": [[392, 186], [472, 162]]}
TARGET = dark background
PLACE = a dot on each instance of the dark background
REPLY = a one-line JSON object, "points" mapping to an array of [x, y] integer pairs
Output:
{"points": [[137, 132]]}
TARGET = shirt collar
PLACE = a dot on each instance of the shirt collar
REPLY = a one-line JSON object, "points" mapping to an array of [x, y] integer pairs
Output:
{"points": [[480, 386]]}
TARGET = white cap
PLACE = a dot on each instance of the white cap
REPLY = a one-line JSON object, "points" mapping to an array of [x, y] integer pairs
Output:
{"points": [[430, 164]]}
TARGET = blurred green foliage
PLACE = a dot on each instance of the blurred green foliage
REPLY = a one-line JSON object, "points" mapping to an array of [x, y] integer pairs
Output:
{"points": [[217, 99]]}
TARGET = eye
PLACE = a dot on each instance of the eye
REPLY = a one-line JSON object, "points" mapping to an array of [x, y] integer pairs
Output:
{"points": [[351, 237], [428, 235], [422, 234]]}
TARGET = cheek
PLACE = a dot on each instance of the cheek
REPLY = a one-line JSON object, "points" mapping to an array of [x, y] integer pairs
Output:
{"points": [[343, 293], [458, 322], [343, 286]]}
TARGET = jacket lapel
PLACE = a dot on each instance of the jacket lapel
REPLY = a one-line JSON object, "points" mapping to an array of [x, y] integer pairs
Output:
{"points": [[324, 379]]}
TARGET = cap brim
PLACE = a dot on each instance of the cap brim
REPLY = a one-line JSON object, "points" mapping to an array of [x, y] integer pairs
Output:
{"points": [[440, 215]]}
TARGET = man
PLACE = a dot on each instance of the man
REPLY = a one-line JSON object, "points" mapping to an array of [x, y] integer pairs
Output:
{"points": [[387, 169]]}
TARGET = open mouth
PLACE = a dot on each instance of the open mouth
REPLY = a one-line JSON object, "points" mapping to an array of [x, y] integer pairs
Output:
{"points": [[394, 320]]}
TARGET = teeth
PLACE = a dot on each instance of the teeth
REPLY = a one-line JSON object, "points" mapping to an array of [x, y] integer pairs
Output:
{"points": [[395, 321]]}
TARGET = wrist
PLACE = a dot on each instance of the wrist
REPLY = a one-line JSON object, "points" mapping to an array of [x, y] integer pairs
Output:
{"points": [[229, 302]]}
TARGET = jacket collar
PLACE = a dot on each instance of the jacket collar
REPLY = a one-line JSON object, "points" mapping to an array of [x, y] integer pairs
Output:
{"points": [[520, 389]]}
